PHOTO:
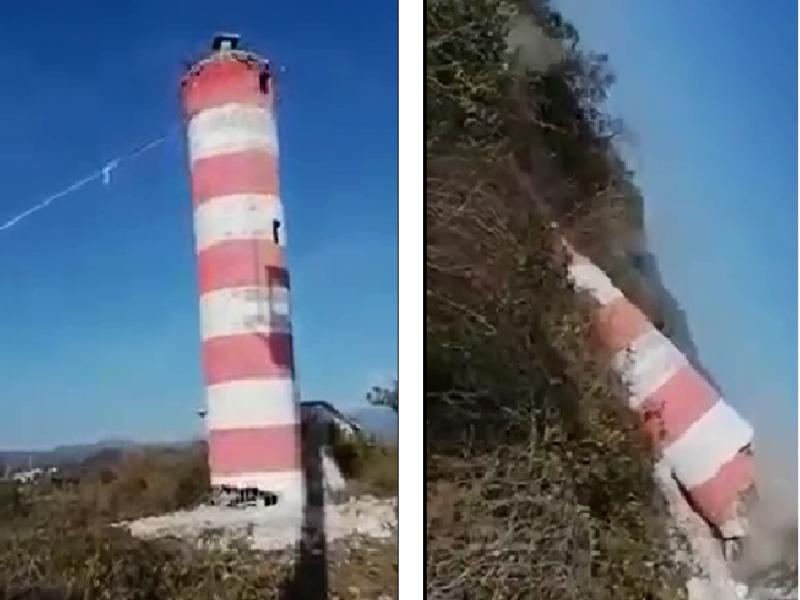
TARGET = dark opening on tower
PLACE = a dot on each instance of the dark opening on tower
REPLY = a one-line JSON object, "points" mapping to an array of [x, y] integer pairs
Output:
{"points": [[263, 80], [276, 228]]}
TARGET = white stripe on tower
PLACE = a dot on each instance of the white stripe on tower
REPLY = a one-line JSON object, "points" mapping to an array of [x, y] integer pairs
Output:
{"points": [[237, 217], [240, 311], [245, 321], [232, 128], [240, 404]]}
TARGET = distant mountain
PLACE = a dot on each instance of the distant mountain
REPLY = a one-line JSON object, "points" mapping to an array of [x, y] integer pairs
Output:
{"points": [[60, 455], [376, 421]]}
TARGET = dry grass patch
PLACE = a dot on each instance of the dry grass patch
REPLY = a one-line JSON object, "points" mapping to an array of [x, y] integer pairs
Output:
{"points": [[59, 543]]}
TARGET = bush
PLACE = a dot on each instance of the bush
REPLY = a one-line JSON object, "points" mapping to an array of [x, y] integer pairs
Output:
{"points": [[369, 467], [86, 564], [539, 483], [12, 501], [147, 481]]}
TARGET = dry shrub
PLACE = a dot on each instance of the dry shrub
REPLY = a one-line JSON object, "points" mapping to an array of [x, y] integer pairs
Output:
{"points": [[153, 481], [62, 544], [139, 482], [142, 481], [85, 564], [109, 564], [539, 483]]}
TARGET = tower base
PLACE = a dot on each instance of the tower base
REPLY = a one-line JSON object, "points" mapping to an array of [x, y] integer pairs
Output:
{"points": [[288, 488], [266, 489], [241, 498]]}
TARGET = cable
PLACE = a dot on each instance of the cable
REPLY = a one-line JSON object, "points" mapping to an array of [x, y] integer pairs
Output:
{"points": [[103, 174]]}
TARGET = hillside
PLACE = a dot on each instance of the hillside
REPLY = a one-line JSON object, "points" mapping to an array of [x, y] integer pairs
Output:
{"points": [[536, 48], [535, 471]]}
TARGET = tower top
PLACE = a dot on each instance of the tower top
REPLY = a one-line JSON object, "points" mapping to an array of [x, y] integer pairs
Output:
{"points": [[225, 46], [226, 42]]}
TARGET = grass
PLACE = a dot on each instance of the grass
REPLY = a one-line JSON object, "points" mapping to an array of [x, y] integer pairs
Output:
{"points": [[61, 543]]}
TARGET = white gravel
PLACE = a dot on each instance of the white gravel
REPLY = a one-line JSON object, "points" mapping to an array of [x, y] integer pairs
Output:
{"points": [[274, 527]]}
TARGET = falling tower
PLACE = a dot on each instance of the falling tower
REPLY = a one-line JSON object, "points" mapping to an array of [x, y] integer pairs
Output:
{"points": [[704, 444], [252, 414]]}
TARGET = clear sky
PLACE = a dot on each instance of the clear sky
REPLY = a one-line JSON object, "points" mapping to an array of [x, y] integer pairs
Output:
{"points": [[98, 308], [709, 91]]}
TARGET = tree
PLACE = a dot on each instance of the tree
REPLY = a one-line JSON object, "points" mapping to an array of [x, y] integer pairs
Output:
{"points": [[384, 397]]}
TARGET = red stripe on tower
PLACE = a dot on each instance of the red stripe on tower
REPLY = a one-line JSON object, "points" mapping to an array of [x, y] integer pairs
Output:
{"points": [[248, 363], [250, 172]]}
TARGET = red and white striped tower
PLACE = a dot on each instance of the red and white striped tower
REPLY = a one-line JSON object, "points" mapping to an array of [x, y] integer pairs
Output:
{"points": [[252, 410], [703, 440]]}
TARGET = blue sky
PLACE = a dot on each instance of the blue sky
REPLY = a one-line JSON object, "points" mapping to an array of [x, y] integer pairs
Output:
{"points": [[98, 309], [709, 92]]}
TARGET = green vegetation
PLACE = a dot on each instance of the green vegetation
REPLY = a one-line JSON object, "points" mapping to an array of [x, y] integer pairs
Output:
{"points": [[370, 467], [539, 482], [59, 542], [385, 397]]}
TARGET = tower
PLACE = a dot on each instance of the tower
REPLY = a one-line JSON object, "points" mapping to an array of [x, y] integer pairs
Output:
{"points": [[705, 443], [252, 415]]}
